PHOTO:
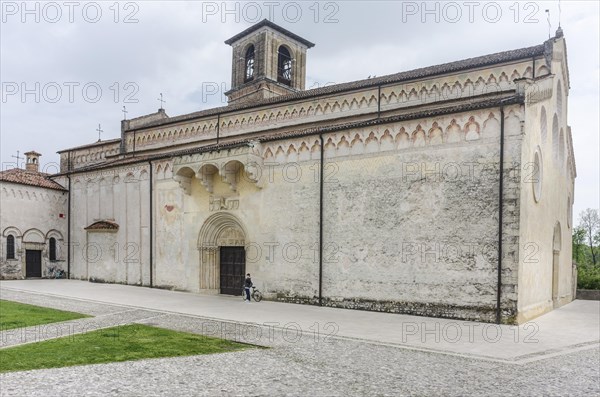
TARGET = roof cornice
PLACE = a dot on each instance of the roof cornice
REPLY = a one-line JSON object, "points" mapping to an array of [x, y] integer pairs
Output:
{"points": [[485, 103], [274, 26]]}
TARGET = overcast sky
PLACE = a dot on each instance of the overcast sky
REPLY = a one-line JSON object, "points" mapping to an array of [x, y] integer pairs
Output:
{"points": [[66, 53]]}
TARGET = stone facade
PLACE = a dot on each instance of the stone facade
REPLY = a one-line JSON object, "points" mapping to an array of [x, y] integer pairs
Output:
{"points": [[406, 219]]}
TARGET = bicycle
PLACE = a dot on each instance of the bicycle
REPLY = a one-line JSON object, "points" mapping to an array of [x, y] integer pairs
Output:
{"points": [[56, 273], [255, 294]]}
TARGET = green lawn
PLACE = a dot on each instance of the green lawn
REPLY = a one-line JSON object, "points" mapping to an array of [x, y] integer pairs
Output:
{"points": [[122, 343], [18, 315]]}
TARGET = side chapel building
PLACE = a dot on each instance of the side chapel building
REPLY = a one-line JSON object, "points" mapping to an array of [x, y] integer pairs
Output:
{"points": [[442, 191]]}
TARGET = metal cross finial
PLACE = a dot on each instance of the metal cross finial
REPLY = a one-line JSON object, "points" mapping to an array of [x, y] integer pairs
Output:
{"points": [[100, 131], [549, 25], [18, 158], [161, 101], [559, 12], [124, 112]]}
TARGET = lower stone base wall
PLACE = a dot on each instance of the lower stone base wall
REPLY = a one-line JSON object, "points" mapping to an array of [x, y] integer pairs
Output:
{"points": [[486, 314], [11, 271], [588, 294], [101, 281]]}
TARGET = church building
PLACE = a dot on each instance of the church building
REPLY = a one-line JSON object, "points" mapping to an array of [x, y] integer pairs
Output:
{"points": [[443, 191], [33, 210]]}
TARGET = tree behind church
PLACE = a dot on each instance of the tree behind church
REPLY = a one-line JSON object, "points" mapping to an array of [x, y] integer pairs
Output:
{"points": [[586, 241]]}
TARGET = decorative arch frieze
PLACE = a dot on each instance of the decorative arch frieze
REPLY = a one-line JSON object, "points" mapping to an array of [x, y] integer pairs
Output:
{"points": [[393, 96], [451, 129]]}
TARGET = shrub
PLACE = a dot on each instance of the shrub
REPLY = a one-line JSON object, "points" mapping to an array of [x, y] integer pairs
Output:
{"points": [[588, 277]]}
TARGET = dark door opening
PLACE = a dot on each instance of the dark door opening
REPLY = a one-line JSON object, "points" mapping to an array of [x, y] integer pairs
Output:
{"points": [[33, 263], [233, 267]]}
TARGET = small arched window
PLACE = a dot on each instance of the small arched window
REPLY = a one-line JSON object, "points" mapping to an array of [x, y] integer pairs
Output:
{"points": [[284, 66], [537, 175], [559, 99], [249, 63], [555, 137], [10, 247], [544, 125], [52, 249], [561, 148]]}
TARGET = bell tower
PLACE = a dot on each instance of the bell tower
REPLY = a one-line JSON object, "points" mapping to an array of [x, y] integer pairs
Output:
{"points": [[268, 61], [33, 161]]}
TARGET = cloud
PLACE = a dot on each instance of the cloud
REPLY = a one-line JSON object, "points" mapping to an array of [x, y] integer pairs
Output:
{"points": [[177, 48]]}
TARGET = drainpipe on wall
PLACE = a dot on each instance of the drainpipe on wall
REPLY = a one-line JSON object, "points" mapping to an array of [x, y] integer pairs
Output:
{"points": [[69, 223], [500, 210], [321, 222], [151, 224]]}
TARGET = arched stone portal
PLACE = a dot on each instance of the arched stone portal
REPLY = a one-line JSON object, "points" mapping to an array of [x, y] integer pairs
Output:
{"points": [[220, 234], [556, 247]]}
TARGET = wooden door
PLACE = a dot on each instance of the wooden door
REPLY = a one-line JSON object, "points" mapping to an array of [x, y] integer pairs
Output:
{"points": [[233, 267], [33, 263]]}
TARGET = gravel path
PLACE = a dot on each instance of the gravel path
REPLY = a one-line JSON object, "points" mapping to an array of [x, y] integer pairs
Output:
{"points": [[306, 365]]}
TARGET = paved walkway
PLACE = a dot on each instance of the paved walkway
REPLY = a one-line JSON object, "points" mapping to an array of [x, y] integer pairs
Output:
{"points": [[571, 328]]}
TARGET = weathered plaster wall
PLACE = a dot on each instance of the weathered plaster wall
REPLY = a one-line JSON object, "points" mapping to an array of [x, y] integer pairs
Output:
{"points": [[547, 133], [103, 265], [416, 230], [32, 215], [119, 195], [410, 218]]}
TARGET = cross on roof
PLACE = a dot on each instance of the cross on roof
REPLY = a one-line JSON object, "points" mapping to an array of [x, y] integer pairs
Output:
{"points": [[559, 12], [124, 112], [100, 131], [18, 158], [161, 101]]}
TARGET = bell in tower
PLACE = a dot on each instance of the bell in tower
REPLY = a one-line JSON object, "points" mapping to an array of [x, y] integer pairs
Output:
{"points": [[268, 61]]}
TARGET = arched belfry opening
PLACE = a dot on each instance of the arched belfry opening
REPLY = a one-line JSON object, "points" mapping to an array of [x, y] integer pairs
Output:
{"points": [[556, 248], [249, 62], [284, 66], [221, 243]]}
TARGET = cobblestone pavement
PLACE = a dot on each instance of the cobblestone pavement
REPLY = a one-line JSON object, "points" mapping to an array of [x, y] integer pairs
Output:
{"points": [[298, 362]]}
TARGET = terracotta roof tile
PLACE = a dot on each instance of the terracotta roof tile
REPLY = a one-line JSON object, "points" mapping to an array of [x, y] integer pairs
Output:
{"points": [[30, 178], [103, 226], [266, 22], [471, 63], [421, 73], [92, 145]]}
